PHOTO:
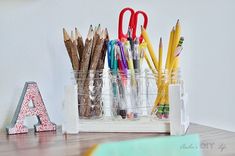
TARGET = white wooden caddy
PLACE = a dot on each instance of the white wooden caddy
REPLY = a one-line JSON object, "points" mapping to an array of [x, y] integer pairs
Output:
{"points": [[177, 125]]}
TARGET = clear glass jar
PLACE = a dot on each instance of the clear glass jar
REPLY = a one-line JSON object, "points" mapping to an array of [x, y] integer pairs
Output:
{"points": [[157, 86], [90, 93], [126, 92]]}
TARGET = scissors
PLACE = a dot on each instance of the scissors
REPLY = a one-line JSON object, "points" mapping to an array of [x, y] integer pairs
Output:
{"points": [[132, 23]]}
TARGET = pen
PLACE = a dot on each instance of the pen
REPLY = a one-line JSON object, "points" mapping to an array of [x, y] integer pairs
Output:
{"points": [[131, 104], [122, 54], [130, 39], [136, 56], [121, 66], [142, 49]]}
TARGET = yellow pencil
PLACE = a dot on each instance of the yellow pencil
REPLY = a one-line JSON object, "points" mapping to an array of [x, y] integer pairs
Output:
{"points": [[150, 47], [159, 97], [176, 54], [160, 63], [142, 49], [172, 48], [176, 41], [168, 59], [149, 64]]}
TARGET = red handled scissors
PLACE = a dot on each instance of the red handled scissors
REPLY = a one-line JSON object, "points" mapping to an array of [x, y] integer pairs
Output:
{"points": [[132, 23]]}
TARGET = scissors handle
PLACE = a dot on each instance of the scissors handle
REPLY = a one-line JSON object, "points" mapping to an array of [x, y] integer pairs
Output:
{"points": [[120, 30], [135, 21]]}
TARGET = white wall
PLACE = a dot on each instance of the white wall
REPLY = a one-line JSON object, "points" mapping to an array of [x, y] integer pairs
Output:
{"points": [[31, 48]]}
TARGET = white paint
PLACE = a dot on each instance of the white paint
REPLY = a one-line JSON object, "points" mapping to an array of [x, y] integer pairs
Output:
{"points": [[32, 49]]}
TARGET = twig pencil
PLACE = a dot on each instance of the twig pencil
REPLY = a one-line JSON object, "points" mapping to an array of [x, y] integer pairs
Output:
{"points": [[88, 60], [97, 33], [84, 66], [74, 53], [103, 51], [75, 56], [68, 43], [87, 52], [99, 75], [93, 65], [72, 36], [80, 44], [85, 100], [97, 51]]}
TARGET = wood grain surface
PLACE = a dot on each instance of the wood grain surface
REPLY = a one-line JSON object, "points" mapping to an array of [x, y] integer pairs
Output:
{"points": [[214, 142]]}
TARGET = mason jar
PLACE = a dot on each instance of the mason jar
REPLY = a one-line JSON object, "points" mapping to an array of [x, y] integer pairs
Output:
{"points": [[157, 87], [126, 94], [90, 93]]}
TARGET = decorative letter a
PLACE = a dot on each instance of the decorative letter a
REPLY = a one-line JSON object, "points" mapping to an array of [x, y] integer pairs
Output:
{"points": [[30, 92]]}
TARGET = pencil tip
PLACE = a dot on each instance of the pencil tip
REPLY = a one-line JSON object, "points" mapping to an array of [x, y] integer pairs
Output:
{"points": [[106, 30], [77, 33], [72, 35], [90, 33], [90, 28], [107, 34], [103, 34], [178, 22], [160, 43], [66, 36], [98, 30]]}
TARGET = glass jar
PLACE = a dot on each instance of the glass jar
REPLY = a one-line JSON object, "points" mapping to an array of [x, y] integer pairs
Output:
{"points": [[157, 87], [126, 92], [90, 93]]}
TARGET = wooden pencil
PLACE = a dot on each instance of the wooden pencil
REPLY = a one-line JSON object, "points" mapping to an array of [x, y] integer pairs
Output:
{"points": [[176, 41], [84, 66], [97, 33], [97, 51], [85, 110], [68, 43], [95, 58], [160, 63], [150, 47], [98, 77], [103, 51], [75, 56], [168, 59], [86, 58], [72, 36], [80, 44], [87, 52]]}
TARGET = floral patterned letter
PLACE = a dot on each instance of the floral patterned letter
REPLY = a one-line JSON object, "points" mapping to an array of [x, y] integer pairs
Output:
{"points": [[31, 92]]}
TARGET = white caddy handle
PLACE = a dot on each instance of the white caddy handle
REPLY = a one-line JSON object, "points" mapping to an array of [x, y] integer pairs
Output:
{"points": [[179, 120]]}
